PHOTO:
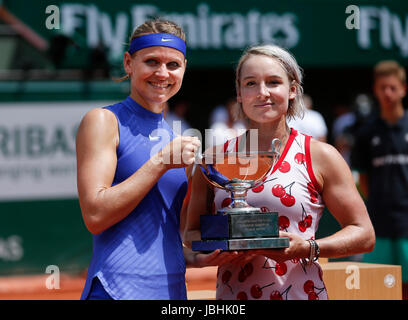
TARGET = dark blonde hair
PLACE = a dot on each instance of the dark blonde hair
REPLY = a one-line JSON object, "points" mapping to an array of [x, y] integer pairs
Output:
{"points": [[288, 63], [390, 67], [157, 25]]}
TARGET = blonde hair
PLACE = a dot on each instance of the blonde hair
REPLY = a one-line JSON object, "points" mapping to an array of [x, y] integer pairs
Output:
{"points": [[156, 25], [390, 67], [288, 63]]}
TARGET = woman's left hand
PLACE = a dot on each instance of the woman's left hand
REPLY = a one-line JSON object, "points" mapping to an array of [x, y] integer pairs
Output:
{"points": [[215, 258], [298, 248]]}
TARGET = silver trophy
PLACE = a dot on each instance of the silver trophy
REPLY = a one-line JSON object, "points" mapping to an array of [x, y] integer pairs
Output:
{"points": [[239, 226]]}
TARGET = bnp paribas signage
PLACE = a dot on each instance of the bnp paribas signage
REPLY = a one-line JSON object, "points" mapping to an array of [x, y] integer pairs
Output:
{"points": [[37, 149]]}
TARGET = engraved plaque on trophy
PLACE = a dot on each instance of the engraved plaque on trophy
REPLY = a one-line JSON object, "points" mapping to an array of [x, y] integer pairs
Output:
{"points": [[239, 226]]}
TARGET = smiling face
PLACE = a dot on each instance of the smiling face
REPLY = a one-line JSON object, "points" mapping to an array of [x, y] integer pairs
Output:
{"points": [[156, 74], [264, 89]]}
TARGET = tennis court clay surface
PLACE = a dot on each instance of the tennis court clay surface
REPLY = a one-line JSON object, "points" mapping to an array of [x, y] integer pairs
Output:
{"points": [[200, 285]]}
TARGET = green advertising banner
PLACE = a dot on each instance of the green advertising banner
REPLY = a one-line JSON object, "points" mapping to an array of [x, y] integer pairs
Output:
{"points": [[35, 234], [320, 33]]}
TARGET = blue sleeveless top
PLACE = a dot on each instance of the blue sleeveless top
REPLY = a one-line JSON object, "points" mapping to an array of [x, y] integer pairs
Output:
{"points": [[141, 257]]}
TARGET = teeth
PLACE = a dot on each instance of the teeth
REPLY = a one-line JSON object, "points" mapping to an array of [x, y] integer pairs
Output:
{"points": [[159, 85]]}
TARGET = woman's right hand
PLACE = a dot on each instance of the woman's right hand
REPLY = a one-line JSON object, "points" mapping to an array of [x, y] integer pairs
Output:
{"points": [[179, 153]]}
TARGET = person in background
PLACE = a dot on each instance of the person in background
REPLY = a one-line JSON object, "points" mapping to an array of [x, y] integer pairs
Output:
{"points": [[176, 115], [312, 123], [380, 155], [224, 124], [348, 121]]}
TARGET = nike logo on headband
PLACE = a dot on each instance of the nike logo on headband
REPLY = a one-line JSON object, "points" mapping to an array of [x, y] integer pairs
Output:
{"points": [[166, 39]]}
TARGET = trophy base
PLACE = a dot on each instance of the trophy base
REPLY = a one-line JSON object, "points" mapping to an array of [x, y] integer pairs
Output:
{"points": [[239, 226], [241, 244], [243, 210]]}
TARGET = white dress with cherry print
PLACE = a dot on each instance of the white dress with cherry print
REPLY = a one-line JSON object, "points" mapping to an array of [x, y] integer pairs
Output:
{"points": [[292, 192]]}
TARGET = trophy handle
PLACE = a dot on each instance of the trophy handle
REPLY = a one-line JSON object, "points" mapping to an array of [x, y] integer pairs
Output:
{"points": [[276, 145], [236, 187]]}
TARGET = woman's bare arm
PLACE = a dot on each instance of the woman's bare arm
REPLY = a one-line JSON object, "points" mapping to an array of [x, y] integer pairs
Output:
{"points": [[102, 204], [342, 199], [344, 202]]}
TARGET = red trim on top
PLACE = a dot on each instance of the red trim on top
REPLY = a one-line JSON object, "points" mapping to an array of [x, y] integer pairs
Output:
{"points": [[309, 164], [226, 146], [293, 134]]}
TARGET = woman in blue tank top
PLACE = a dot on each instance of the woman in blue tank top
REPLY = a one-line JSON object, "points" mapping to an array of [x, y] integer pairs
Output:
{"points": [[132, 179]]}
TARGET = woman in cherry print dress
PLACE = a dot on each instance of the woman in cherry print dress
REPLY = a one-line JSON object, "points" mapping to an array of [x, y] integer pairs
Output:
{"points": [[308, 176]]}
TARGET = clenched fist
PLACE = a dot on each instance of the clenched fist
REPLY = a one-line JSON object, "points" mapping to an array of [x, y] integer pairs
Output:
{"points": [[179, 153]]}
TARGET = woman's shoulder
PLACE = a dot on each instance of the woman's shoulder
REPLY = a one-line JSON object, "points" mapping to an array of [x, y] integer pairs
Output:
{"points": [[322, 149], [326, 160], [99, 116], [98, 122]]}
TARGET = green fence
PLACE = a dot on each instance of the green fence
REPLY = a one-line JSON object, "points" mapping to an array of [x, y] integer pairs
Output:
{"points": [[36, 234]]}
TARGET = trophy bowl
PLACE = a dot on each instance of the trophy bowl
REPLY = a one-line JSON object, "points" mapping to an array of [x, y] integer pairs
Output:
{"points": [[239, 226]]}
